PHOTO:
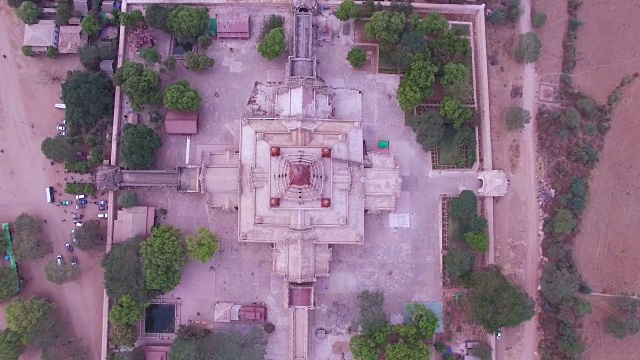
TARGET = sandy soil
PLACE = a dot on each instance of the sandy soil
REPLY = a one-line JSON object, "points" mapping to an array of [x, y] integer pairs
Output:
{"points": [[606, 248], [27, 95]]}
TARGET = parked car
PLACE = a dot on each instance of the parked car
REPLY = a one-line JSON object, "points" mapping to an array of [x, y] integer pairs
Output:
{"points": [[59, 260], [103, 202], [61, 127], [82, 201], [74, 260], [498, 334], [62, 133], [66, 202], [73, 235], [81, 196], [77, 216], [78, 223], [102, 207], [102, 215], [79, 207], [69, 247]]}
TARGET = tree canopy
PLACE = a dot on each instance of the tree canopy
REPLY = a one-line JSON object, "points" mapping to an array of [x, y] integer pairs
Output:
{"points": [[164, 256], [203, 245], [142, 86], [9, 283], [194, 344], [357, 57], [478, 241], [412, 44], [198, 62], [433, 23], [180, 96], [124, 272], [60, 274], [528, 48], [138, 146], [517, 118], [59, 149], [187, 23], [348, 9], [465, 205], [495, 302], [63, 13], [92, 55], [90, 26], [417, 83], [11, 345], [125, 311], [128, 199], [458, 262], [426, 321], [29, 12], [452, 109], [372, 315], [563, 222], [157, 16], [131, 19], [273, 44], [124, 336], [28, 240], [428, 128], [90, 236], [385, 27], [89, 98], [407, 350], [150, 55], [25, 315], [450, 47]]}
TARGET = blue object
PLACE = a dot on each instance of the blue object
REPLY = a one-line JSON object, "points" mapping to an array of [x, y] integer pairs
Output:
{"points": [[7, 257]]}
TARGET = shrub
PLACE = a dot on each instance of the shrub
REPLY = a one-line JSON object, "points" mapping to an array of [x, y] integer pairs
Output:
{"points": [[124, 335], [465, 205], [52, 52], [125, 311], [29, 12], [458, 262], [27, 51], [198, 62], [273, 44], [528, 48], [574, 24], [587, 107], [203, 245], [357, 57], [170, 62], [514, 9], [156, 16], [131, 19], [498, 16], [90, 236], [60, 274], [571, 119], [63, 13], [128, 199], [563, 222], [150, 55], [517, 118], [539, 19], [478, 224], [80, 188], [452, 109], [269, 328], [90, 26], [348, 9], [204, 41], [478, 241]]}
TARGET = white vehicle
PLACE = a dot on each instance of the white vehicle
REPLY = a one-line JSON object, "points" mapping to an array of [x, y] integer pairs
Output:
{"points": [[102, 215], [59, 260], [78, 223], [49, 191], [60, 106], [61, 127], [81, 196]]}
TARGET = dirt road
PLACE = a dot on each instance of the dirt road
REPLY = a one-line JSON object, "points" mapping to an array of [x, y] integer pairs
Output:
{"points": [[27, 95]]}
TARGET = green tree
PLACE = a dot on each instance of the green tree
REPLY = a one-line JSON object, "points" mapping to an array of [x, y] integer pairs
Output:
{"points": [[128, 199], [131, 19], [60, 274], [124, 272], [90, 236], [465, 205], [59, 149], [236, 345], [52, 52], [198, 62], [578, 196], [164, 256], [125, 311], [11, 345], [272, 22], [407, 350], [25, 315], [92, 55], [563, 222], [498, 16], [587, 107], [203, 245], [454, 75], [89, 98], [29, 12], [27, 51], [433, 23], [187, 23], [452, 109], [191, 349], [138, 146], [385, 27], [142, 86], [493, 291], [372, 315], [571, 119], [539, 19], [425, 321], [170, 62], [413, 44], [357, 57], [180, 96], [450, 47], [517, 118], [204, 41], [90, 26], [124, 336], [417, 83], [364, 348], [559, 283], [150, 55], [28, 240], [482, 351], [63, 13], [458, 262], [478, 241], [478, 224], [348, 10], [273, 44], [157, 16], [9, 283], [528, 48], [429, 129], [581, 306]]}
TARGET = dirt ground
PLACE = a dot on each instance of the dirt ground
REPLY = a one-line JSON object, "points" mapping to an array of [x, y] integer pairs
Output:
{"points": [[606, 249], [27, 95]]}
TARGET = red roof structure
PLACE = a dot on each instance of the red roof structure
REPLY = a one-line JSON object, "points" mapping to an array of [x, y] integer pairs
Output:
{"points": [[253, 314], [299, 296], [299, 174], [181, 123], [234, 25]]}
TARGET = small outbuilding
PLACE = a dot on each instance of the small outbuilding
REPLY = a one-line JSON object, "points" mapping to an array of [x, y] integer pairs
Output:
{"points": [[132, 222], [71, 39], [231, 26], [181, 123], [41, 36]]}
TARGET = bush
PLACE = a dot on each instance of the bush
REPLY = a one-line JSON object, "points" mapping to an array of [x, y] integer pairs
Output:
{"points": [[204, 41], [571, 119], [514, 10], [269, 328], [156, 16], [170, 63], [128, 199], [27, 51], [574, 24], [63, 13], [348, 10], [80, 188], [60, 274], [563, 222], [124, 335], [528, 48], [181, 97], [587, 107], [465, 205], [478, 241], [203, 245], [517, 118], [29, 12], [498, 16], [150, 55], [458, 262], [125, 311], [273, 44], [539, 19], [131, 19], [478, 224], [90, 26], [52, 52], [357, 57], [198, 62]]}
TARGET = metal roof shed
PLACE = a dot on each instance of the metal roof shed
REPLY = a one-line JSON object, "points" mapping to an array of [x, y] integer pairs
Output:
{"points": [[181, 123]]}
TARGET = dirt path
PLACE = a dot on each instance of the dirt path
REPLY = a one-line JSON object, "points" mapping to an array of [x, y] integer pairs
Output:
{"points": [[27, 95]]}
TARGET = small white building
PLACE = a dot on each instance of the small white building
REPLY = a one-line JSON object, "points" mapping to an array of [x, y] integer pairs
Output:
{"points": [[41, 36]]}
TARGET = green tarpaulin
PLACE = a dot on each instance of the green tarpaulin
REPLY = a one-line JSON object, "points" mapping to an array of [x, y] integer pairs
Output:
{"points": [[213, 26]]}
